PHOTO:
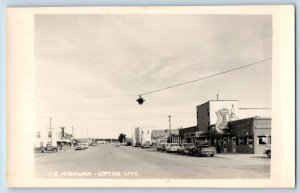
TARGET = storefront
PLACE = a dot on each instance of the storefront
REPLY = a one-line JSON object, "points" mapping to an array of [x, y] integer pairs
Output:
{"points": [[243, 136]]}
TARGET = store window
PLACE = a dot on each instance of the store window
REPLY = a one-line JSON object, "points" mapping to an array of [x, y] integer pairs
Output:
{"points": [[262, 140], [241, 141], [249, 140]]}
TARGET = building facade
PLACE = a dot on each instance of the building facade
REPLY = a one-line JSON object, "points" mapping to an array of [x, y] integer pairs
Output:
{"points": [[141, 135], [250, 135], [164, 136], [219, 124]]}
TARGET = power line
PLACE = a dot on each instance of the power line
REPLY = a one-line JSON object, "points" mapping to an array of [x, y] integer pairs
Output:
{"points": [[172, 86], [206, 77]]}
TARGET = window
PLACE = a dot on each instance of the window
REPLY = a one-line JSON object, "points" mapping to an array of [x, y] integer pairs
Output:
{"points": [[249, 140], [241, 141], [262, 140], [197, 115], [38, 135]]}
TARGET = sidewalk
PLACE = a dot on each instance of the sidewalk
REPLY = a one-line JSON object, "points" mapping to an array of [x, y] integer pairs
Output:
{"points": [[239, 155]]}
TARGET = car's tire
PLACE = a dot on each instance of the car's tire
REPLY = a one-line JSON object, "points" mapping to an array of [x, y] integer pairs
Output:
{"points": [[269, 154], [211, 155], [41, 151]]}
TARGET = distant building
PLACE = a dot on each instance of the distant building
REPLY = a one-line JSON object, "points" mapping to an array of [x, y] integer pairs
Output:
{"points": [[187, 135], [55, 137], [162, 136], [141, 135]]}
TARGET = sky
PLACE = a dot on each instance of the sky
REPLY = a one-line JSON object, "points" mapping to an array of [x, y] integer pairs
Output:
{"points": [[83, 63]]}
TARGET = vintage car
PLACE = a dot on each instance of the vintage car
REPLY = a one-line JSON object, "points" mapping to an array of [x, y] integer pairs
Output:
{"points": [[48, 148], [185, 148], [161, 146], [202, 148], [172, 147], [79, 147], [146, 145], [137, 145]]}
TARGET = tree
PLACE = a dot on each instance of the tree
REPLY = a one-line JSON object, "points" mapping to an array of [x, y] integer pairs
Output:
{"points": [[122, 138]]}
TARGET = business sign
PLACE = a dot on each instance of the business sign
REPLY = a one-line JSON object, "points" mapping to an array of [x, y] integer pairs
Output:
{"points": [[222, 120]]}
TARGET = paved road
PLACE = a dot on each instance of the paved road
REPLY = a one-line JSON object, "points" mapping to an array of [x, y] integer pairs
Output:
{"points": [[108, 161]]}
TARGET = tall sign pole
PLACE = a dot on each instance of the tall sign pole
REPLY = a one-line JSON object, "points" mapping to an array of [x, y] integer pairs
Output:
{"points": [[170, 129]]}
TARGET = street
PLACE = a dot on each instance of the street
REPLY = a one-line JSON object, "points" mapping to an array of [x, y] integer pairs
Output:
{"points": [[109, 161]]}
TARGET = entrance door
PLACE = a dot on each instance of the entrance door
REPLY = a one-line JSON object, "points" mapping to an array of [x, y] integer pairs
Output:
{"points": [[225, 144], [233, 139]]}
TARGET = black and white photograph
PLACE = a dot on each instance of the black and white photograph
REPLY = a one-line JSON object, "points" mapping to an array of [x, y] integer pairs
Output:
{"points": [[153, 96]]}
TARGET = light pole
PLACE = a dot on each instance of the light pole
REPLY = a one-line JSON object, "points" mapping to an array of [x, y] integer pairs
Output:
{"points": [[169, 128]]}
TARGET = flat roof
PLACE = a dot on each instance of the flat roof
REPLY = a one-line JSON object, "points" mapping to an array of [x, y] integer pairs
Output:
{"points": [[215, 101]]}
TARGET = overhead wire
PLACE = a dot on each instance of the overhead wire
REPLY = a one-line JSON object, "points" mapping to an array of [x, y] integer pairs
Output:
{"points": [[206, 77], [179, 84]]}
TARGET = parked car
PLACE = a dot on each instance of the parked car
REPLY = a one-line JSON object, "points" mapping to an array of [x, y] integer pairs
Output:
{"points": [[83, 145], [79, 147], [202, 148], [267, 150], [48, 148], [146, 145], [184, 148], [137, 145], [160, 146], [172, 147], [128, 143]]}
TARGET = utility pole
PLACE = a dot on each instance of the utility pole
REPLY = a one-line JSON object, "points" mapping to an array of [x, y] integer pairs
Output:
{"points": [[51, 130], [72, 132], [170, 129], [141, 136]]}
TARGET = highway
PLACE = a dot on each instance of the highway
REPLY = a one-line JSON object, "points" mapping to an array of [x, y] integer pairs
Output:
{"points": [[107, 161]]}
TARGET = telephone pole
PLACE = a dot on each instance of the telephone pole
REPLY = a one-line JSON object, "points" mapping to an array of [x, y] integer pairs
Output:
{"points": [[170, 129], [72, 132], [51, 130]]}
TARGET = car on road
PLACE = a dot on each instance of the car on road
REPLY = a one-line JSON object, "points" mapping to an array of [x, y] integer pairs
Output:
{"points": [[202, 148], [137, 145], [161, 146], [79, 147], [267, 150], [48, 148], [184, 148], [83, 145], [146, 145], [172, 147]]}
